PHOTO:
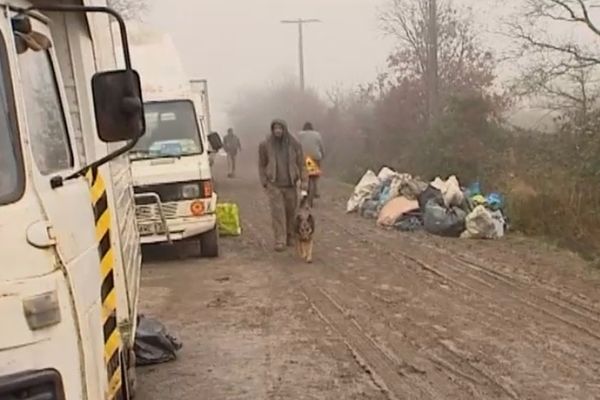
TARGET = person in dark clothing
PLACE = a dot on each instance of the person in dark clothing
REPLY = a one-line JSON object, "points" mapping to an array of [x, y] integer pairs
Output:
{"points": [[232, 146], [282, 172]]}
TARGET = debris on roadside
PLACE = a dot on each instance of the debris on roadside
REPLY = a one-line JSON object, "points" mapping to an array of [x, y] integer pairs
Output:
{"points": [[228, 219], [441, 207], [153, 343]]}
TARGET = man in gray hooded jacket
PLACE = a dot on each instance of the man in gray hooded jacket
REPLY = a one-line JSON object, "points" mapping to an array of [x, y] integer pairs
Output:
{"points": [[282, 169]]}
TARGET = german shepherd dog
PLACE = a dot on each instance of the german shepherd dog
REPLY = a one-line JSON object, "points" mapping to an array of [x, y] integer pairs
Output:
{"points": [[305, 230]]}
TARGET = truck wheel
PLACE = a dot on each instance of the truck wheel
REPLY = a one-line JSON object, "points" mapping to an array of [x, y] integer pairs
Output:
{"points": [[209, 243]]}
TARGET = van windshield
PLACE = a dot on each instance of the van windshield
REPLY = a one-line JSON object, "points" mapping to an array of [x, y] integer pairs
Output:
{"points": [[171, 131], [11, 166]]}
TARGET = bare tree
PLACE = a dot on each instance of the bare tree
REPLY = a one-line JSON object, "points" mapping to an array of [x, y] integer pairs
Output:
{"points": [[559, 69], [130, 9], [463, 64]]}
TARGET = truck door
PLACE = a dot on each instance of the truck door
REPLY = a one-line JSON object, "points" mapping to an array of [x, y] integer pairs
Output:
{"points": [[44, 115]]}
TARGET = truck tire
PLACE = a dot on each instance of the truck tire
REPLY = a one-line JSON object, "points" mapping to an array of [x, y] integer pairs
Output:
{"points": [[209, 243]]}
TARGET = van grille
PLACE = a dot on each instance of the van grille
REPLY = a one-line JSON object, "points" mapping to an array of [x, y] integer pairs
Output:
{"points": [[150, 212]]}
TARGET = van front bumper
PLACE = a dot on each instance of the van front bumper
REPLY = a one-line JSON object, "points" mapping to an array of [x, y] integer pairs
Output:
{"points": [[183, 228]]}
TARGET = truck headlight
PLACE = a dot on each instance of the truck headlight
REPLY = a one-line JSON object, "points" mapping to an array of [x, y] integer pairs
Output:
{"points": [[190, 191], [42, 311]]}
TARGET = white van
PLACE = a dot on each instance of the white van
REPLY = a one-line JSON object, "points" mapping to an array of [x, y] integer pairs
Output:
{"points": [[69, 279], [175, 197]]}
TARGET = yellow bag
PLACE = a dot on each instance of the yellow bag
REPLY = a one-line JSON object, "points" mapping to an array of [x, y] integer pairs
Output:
{"points": [[228, 219], [312, 167]]}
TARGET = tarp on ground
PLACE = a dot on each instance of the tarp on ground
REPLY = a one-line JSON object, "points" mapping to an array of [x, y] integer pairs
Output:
{"points": [[394, 209]]}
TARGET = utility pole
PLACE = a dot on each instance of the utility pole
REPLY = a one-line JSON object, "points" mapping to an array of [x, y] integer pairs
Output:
{"points": [[433, 90], [300, 22]]}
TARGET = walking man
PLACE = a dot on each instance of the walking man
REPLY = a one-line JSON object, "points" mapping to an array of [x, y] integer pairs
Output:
{"points": [[312, 145], [232, 146], [281, 169]]}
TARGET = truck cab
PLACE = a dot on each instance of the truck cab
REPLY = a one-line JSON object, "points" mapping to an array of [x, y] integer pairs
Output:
{"points": [[70, 276], [173, 184], [175, 198]]}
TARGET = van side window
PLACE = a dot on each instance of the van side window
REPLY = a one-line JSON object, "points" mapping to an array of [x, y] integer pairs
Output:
{"points": [[45, 116], [12, 174]]}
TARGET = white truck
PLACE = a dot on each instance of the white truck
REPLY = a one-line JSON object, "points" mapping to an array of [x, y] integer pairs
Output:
{"points": [[200, 87], [173, 184], [70, 276]]}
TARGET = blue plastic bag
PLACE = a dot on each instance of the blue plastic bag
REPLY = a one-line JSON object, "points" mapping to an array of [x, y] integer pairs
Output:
{"points": [[495, 201]]}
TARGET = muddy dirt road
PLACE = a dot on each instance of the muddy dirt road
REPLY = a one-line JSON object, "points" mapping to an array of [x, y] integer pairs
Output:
{"points": [[379, 315]]}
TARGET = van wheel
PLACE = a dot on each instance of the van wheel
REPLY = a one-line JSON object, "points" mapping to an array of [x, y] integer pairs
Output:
{"points": [[209, 243]]}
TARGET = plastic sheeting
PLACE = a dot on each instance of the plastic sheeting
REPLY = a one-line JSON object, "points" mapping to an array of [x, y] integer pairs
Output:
{"points": [[153, 344], [386, 173], [362, 191], [394, 209]]}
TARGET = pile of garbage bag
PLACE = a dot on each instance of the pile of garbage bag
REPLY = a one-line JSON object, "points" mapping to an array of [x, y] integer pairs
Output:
{"points": [[441, 207]]}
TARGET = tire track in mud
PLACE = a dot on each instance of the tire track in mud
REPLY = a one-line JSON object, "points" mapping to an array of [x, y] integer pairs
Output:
{"points": [[483, 282], [578, 302], [389, 370], [554, 295], [388, 374], [562, 355], [443, 357], [358, 346], [441, 354]]}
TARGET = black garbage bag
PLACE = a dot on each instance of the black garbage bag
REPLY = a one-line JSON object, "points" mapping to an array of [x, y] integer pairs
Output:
{"points": [[409, 222], [442, 221], [428, 194], [153, 344]]}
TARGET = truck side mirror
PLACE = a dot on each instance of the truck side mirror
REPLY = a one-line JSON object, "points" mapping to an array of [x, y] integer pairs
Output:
{"points": [[119, 105], [215, 141]]}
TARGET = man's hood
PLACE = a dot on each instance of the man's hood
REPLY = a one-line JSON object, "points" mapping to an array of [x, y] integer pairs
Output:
{"points": [[281, 122]]}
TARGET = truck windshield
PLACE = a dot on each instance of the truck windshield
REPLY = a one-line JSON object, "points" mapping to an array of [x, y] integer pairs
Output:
{"points": [[11, 166], [171, 131]]}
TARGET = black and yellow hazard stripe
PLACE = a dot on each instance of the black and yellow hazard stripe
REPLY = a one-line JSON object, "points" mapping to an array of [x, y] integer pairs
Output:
{"points": [[108, 294]]}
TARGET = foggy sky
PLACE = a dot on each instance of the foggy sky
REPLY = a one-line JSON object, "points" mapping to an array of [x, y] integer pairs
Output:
{"points": [[241, 43]]}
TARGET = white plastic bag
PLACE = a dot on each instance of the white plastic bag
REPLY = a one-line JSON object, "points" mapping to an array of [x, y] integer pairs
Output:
{"points": [[362, 191], [484, 224], [386, 173], [453, 196]]}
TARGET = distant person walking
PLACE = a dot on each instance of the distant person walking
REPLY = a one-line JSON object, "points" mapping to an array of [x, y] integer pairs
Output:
{"points": [[232, 146], [312, 145], [281, 169]]}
